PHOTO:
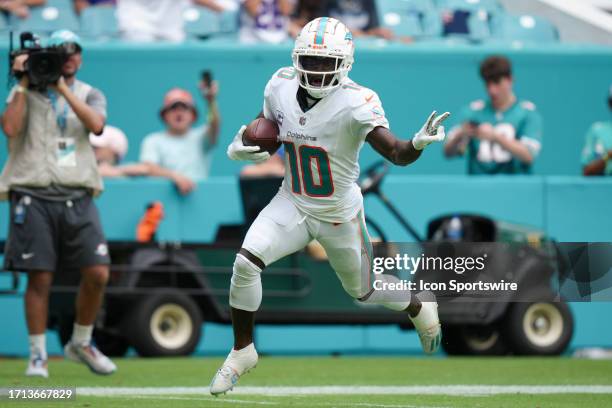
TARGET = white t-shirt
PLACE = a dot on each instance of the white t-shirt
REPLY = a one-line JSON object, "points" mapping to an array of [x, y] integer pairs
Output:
{"points": [[322, 145], [152, 20], [189, 154], [269, 26]]}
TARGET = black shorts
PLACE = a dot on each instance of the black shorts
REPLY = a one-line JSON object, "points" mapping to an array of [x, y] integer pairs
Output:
{"points": [[50, 235]]}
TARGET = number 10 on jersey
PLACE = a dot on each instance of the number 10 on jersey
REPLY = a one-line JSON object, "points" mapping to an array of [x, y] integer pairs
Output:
{"points": [[301, 165]]}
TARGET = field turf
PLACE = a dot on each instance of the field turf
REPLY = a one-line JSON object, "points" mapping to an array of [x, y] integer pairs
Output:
{"points": [[138, 381]]}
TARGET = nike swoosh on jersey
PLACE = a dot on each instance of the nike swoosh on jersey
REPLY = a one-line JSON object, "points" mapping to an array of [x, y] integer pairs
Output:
{"points": [[27, 256]]}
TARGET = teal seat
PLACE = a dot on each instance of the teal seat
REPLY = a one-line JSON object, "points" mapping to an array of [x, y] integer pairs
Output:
{"points": [[524, 29], [201, 22], [99, 22], [54, 15], [228, 21], [414, 18]]}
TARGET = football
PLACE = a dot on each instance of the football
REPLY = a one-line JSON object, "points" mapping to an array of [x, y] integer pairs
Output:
{"points": [[263, 133]]}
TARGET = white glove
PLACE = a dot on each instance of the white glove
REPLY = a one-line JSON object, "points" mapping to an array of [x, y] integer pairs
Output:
{"points": [[431, 131], [238, 151]]}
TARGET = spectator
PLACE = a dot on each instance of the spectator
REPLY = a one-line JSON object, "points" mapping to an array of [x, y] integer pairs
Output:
{"points": [[110, 148], [264, 21], [181, 152], [19, 8], [156, 20], [502, 135], [80, 5], [360, 16], [597, 152], [305, 11], [50, 177]]}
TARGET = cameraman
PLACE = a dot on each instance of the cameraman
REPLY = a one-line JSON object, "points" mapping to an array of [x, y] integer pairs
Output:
{"points": [[50, 177]]}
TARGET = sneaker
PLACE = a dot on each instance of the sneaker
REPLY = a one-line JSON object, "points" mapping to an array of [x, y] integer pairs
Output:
{"points": [[37, 367], [89, 355], [237, 363], [427, 323]]}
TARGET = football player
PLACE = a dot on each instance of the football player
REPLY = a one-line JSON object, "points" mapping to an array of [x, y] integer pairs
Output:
{"points": [[324, 119]]}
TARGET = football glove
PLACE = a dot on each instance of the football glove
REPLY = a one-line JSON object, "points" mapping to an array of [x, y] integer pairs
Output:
{"points": [[238, 151], [431, 131]]}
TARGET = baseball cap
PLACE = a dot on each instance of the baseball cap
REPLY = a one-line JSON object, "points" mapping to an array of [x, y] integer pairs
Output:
{"points": [[112, 138], [178, 95], [63, 38]]}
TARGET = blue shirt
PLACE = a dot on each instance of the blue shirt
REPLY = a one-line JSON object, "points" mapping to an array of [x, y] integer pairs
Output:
{"points": [[598, 143], [188, 154]]}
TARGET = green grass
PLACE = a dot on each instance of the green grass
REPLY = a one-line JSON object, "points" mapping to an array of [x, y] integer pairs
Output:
{"points": [[303, 371]]}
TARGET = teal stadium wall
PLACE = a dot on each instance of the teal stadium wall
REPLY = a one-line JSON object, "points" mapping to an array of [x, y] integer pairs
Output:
{"points": [[567, 83]]}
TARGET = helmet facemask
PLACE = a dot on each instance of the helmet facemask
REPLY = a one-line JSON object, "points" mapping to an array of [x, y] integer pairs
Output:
{"points": [[319, 75]]}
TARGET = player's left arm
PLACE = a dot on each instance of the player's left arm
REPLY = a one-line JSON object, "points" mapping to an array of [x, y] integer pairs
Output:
{"points": [[404, 152]]}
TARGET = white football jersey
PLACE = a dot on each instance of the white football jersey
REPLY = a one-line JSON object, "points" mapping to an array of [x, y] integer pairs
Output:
{"points": [[322, 145]]}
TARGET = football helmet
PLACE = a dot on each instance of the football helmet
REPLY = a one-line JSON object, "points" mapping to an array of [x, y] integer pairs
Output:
{"points": [[323, 55]]}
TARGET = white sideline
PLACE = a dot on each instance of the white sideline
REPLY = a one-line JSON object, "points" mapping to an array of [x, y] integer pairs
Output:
{"points": [[457, 390]]}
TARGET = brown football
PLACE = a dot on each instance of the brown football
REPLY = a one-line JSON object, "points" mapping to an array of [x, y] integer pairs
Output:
{"points": [[263, 133]]}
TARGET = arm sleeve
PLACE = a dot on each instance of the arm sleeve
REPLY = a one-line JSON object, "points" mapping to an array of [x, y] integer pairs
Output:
{"points": [[589, 151], [531, 132], [368, 115], [149, 152], [97, 100]]}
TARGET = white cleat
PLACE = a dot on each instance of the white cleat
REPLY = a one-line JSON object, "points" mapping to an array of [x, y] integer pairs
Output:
{"points": [[427, 323], [37, 367], [237, 363], [89, 355]]}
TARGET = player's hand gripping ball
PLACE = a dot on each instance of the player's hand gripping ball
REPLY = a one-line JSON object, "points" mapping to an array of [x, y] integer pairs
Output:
{"points": [[263, 133], [251, 146]]}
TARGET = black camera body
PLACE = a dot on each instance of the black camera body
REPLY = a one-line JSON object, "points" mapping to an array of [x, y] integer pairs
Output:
{"points": [[44, 64]]}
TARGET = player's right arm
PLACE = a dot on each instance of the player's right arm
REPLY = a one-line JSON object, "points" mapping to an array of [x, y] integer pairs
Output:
{"points": [[237, 150], [14, 116]]}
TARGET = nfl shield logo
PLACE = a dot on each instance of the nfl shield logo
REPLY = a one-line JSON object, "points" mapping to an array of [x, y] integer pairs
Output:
{"points": [[302, 120], [280, 117]]}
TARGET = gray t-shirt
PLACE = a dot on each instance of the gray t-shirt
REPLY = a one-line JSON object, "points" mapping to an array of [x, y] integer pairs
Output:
{"points": [[52, 157]]}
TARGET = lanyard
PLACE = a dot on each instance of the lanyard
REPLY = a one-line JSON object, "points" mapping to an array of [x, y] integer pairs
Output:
{"points": [[61, 112]]}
